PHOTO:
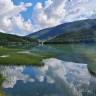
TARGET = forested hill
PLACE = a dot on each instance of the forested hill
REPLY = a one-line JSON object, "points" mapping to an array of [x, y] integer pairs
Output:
{"points": [[85, 35], [50, 33], [9, 38]]}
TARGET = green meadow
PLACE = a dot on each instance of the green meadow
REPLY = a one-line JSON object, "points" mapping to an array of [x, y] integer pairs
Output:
{"points": [[16, 57]]}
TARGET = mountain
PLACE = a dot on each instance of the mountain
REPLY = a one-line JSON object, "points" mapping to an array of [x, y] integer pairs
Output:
{"points": [[14, 39], [52, 32], [85, 35]]}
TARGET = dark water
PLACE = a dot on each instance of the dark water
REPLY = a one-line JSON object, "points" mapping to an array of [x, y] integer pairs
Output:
{"points": [[60, 76]]}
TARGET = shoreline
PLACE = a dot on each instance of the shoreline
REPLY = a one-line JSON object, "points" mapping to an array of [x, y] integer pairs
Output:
{"points": [[91, 59], [1, 80]]}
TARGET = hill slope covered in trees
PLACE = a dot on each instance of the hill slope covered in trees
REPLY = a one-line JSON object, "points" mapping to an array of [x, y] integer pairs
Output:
{"points": [[9, 38], [85, 35]]}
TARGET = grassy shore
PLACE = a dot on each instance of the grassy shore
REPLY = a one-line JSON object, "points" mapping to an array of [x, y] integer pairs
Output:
{"points": [[1, 80], [15, 58], [91, 59]]}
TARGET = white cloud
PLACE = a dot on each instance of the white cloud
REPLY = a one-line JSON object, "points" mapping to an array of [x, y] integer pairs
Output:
{"points": [[78, 2], [2, 31], [10, 12], [23, 26], [80, 9], [49, 15], [53, 13], [91, 14], [74, 14], [76, 10]]}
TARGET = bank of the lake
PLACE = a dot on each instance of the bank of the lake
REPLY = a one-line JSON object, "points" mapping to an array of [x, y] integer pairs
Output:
{"points": [[1, 80], [22, 57], [91, 60], [18, 57]]}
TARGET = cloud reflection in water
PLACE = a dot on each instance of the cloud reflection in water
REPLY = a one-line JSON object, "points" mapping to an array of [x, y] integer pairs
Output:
{"points": [[70, 78]]}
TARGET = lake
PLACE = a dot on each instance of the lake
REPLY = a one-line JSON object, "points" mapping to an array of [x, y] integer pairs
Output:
{"points": [[66, 74]]}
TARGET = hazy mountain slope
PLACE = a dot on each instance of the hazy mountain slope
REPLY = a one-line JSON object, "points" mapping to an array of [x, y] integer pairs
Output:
{"points": [[61, 29], [85, 35], [7, 38]]}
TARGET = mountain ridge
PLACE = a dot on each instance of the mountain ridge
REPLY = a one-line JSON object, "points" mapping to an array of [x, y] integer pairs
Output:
{"points": [[85, 35], [52, 32]]}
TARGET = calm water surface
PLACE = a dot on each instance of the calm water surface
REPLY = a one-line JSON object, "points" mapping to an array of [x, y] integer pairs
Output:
{"points": [[63, 75]]}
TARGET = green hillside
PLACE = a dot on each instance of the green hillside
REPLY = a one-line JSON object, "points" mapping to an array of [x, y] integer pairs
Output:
{"points": [[52, 32], [14, 39], [85, 35]]}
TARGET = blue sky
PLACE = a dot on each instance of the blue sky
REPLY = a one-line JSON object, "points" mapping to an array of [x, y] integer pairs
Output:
{"points": [[29, 11], [22, 17]]}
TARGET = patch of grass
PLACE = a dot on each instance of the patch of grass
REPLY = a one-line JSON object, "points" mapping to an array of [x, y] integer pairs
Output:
{"points": [[16, 58], [21, 59], [5, 51], [91, 59]]}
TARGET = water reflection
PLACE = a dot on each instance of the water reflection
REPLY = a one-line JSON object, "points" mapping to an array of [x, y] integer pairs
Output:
{"points": [[56, 78], [75, 48], [12, 75], [72, 78], [68, 52]]}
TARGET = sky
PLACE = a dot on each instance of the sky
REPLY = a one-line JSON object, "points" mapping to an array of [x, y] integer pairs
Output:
{"points": [[23, 17]]}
